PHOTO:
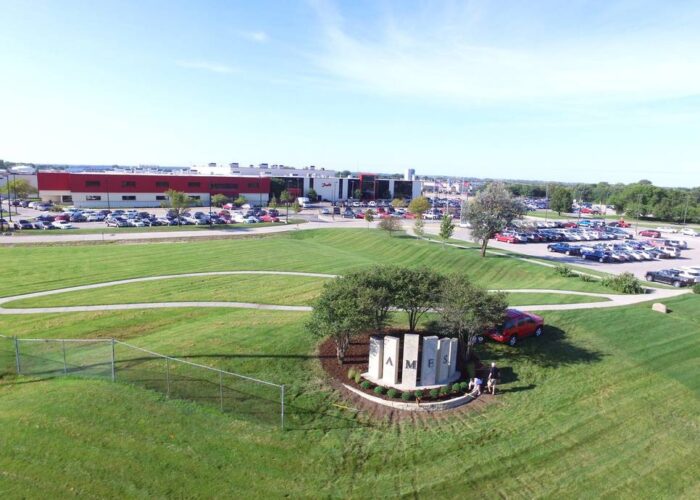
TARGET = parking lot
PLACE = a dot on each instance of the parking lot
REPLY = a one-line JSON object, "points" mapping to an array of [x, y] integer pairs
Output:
{"points": [[689, 256]]}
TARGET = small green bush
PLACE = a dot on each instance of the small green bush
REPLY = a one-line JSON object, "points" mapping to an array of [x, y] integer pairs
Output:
{"points": [[445, 390], [564, 271], [464, 386], [455, 388], [418, 394], [406, 396], [352, 373], [696, 288], [623, 283], [379, 390], [366, 384], [586, 277], [392, 393], [434, 393], [358, 378]]}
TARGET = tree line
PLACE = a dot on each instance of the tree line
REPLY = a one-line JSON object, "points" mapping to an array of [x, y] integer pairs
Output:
{"points": [[367, 300]]}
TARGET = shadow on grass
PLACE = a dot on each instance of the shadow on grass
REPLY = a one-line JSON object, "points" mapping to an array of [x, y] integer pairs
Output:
{"points": [[553, 349]]}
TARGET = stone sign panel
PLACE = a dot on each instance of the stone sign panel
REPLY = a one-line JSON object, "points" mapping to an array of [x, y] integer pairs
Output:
{"points": [[428, 361], [409, 364], [391, 360], [376, 357], [443, 361]]}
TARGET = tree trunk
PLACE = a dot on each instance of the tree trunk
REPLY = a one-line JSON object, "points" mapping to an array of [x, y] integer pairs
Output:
{"points": [[484, 244]]}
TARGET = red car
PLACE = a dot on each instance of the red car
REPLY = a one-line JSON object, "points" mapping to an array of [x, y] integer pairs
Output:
{"points": [[506, 238], [269, 218], [517, 325], [650, 233]]}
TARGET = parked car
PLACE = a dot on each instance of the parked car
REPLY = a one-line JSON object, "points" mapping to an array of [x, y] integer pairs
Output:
{"points": [[650, 233], [517, 325], [595, 254], [666, 229], [689, 231], [564, 248], [670, 277], [506, 237], [269, 218], [115, 222], [62, 224]]}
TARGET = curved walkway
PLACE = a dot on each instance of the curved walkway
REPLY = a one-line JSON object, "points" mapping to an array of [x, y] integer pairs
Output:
{"points": [[613, 299]]}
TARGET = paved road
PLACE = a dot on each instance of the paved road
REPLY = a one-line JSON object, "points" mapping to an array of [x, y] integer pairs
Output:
{"points": [[613, 300]]}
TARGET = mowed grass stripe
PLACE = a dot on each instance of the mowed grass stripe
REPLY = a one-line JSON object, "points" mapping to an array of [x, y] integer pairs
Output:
{"points": [[332, 251]]}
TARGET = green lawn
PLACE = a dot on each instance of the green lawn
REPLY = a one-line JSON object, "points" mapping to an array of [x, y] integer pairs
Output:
{"points": [[332, 251], [605, 404], [258, 289], [596, 407]]}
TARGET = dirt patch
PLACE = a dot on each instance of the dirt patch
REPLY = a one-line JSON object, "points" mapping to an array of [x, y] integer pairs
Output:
{"points": [[357, 358]]}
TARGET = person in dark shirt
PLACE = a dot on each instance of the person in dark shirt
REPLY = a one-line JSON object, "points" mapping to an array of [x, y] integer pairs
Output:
{"points": [[494, 378]]}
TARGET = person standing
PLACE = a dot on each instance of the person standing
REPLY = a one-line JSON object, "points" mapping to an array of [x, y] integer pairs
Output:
{"points": [[494, 378]]}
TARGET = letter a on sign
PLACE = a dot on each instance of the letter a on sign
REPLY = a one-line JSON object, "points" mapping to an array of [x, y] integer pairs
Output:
{"points": [[388, 362]]}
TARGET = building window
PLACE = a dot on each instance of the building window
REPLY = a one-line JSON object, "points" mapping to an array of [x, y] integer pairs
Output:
{"points": [[128, 184], [193, 184], [128, 198], [91, 184], [195, 197], [224, 185], [162, 184], [161, 197], [93, 197], [67, 198]]}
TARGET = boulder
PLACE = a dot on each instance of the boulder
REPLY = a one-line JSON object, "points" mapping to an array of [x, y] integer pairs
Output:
{"points": [[659, 307]]}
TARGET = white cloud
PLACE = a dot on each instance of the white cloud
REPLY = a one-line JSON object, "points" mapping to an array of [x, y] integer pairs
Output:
{"points": [[213, 67], [255, 36], [437, 61]]}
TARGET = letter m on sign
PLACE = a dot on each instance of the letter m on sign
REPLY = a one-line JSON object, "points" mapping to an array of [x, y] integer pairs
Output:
{"points": [[412, 365]]}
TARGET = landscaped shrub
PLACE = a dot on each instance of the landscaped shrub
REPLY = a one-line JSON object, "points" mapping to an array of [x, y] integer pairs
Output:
{"points": [[464, 386], [406, 396], [358, 377], [352, 373], [444, 390], [564, 271], [586, 277], [455, 388], [418, 394], [696, 288], [392, 393], [366, 384], [623, 283], [379, 390], [434, 393]]}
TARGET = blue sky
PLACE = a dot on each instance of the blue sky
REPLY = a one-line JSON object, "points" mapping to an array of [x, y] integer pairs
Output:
{"points": [[569, 91]]}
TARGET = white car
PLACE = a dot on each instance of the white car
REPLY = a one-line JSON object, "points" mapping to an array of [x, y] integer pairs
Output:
{"points": [[689, 231], [690, 272], [372, 204], [667, 229], [136, 223], [250, 220], [62, 224]]}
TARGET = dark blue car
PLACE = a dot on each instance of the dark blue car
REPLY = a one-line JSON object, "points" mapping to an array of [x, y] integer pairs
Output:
{"points": [[565, 248], [599, 255]]}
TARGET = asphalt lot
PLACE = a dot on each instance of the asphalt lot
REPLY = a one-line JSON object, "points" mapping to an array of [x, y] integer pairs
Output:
{"points": [[689, 257]]}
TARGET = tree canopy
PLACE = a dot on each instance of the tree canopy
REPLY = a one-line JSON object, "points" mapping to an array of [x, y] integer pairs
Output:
{"points": [[491, 210], [560, 199]]}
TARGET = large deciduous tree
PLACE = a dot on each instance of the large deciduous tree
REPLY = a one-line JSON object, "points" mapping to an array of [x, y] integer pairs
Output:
{"points": [[561, 199], [178, 203], [468, 311], [416, 291], [20, 188], [490, 212], [340, 313]]}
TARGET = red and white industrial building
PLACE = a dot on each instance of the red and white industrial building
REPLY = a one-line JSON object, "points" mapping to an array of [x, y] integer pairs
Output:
{"points": [[115, 189]]}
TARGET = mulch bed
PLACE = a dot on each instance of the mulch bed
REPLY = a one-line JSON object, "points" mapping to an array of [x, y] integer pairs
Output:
{"points": [[357, 357]]}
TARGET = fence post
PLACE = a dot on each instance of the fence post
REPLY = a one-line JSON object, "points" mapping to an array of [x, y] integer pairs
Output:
{"points": [[167, 375], [221, 389], [114, 368], [282, 398], [18, 366], [65, 365]]}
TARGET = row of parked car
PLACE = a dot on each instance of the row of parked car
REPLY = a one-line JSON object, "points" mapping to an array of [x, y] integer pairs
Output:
{"points": [[627, 251], [553, 234], [685, 276]]}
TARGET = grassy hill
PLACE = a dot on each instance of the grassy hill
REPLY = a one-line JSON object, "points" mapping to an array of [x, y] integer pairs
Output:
{"points": [[605, 403]]}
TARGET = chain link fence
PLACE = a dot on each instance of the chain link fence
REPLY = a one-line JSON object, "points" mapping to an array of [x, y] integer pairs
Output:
{"points": [[239, 395]]}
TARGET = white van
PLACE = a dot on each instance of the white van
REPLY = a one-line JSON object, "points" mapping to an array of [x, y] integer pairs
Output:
{"points": [[304, 201]]}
